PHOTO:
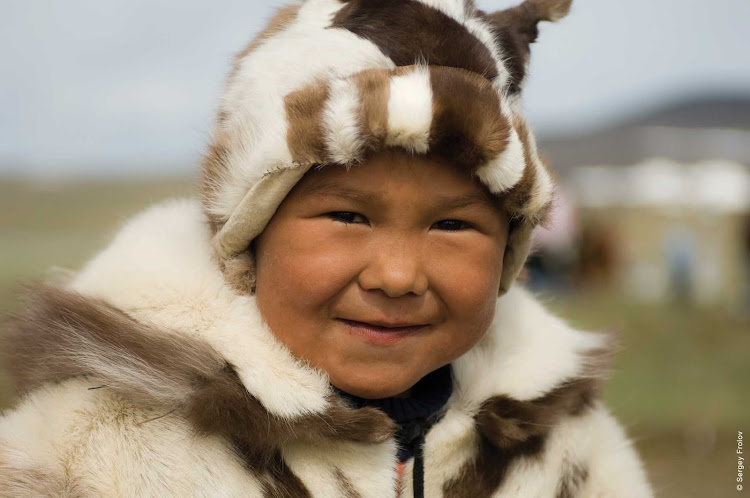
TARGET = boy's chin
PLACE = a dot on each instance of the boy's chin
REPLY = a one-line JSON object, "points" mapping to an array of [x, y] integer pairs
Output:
{"points": [[374, 389]]}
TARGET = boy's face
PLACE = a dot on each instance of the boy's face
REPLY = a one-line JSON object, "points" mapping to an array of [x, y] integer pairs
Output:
{"points": [[382, 274]]}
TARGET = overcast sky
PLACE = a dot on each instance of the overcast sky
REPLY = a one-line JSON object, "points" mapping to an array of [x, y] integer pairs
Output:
{"points": [[131, 85]]}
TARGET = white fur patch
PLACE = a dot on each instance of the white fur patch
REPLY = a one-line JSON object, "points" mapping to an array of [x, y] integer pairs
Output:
{"points": [[255, 150], [452, 8], [613, 463], [544, 187], [504, 171], [103, 442], [526, 353], [410, 111], [370, 469], [483, 32], [341, 123]]}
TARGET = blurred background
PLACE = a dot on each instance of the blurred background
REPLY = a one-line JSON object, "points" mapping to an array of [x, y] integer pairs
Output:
{"points": [[642, 107]]}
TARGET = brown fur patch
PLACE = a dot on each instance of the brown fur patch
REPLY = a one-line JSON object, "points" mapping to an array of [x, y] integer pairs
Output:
{"points": [[468, 126], [510, 429], [374, 90], [304, 111], [239, 272], [408, 31], [573, 477], [483, 476], [64, 334], [507, 422], [513, 39]]}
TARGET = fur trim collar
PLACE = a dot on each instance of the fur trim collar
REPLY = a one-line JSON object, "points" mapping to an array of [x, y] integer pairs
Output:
{"points": [[152, 317]]}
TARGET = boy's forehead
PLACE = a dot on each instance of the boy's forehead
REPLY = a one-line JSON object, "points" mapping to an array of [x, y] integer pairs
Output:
{"points": [[376, 181]]}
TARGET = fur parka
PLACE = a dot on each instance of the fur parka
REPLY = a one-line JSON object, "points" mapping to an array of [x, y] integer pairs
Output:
{"points": [[149, 375]]}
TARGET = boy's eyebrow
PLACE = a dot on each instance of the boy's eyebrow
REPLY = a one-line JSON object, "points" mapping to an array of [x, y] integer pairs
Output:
{"points": [[470, 199], [333, 188]]}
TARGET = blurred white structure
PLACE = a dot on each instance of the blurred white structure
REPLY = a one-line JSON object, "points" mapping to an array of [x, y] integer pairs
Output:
{"points": [[681, 229]]}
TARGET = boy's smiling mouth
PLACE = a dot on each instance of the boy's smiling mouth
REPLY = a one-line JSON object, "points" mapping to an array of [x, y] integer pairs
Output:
{"points": [[381, 332]]}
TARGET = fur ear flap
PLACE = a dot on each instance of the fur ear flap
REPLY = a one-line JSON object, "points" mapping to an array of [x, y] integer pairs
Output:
{"points": [[549, 10], [531, 12], [523, 19], [517, 30]]}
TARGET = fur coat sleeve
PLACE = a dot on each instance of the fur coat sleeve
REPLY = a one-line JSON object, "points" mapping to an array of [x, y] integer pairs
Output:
{"points": [[146, 375]]}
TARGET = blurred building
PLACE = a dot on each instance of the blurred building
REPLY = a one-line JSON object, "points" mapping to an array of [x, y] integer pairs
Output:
{"points": [[668, 230], [662, 204]]}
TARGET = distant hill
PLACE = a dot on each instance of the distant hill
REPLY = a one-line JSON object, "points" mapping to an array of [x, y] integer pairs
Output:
{"points": [[688, 131], [712, 112]]}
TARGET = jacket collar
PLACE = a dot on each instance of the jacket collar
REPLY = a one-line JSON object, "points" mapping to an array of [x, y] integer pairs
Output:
{"points": [[152, 316]]}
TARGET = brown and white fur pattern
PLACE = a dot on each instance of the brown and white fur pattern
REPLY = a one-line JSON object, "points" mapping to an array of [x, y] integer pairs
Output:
{"points": [[148, 375]]}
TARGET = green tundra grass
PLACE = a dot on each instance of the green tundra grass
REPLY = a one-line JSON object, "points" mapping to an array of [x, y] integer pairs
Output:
{"points": [[680, 383]]}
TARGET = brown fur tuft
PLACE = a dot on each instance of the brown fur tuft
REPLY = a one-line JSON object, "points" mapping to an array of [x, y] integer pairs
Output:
{"points": [[239, 272], [305, 136], [374, 89], [468, 131]]}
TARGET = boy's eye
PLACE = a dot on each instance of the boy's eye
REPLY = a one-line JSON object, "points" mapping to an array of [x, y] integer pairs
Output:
{"points": [[347, 217], [452, 225]]}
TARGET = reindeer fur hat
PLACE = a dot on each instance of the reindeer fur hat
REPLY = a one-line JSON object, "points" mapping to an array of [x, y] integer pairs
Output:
{"points": [[333, 81]]}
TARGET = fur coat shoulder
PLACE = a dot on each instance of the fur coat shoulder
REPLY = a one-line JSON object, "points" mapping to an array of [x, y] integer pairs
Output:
{"points": [[148, 375]]}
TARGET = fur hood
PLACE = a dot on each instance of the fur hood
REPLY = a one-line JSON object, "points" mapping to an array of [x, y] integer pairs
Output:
{"points": [[330, 82], [152, 319]]}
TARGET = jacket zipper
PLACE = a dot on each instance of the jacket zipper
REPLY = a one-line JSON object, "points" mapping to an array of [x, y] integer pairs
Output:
{"points": [[418, 473]]}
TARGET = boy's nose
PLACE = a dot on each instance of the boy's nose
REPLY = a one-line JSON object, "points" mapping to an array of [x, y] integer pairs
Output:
{"points": [[396, 268]]}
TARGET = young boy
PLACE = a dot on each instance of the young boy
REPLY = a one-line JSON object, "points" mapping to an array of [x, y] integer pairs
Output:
{"points": [[337, 318]]}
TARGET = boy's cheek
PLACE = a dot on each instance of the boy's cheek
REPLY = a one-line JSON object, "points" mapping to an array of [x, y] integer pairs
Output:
{"points": [[467, 277], [307, 247]]}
